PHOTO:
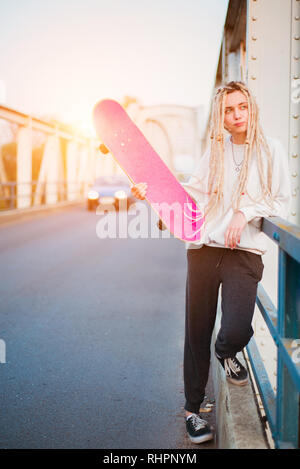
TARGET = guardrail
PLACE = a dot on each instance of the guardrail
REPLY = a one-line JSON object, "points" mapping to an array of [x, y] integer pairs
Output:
{"points": [[39, 192], [45, 152], [282, 407], [17, 117]]}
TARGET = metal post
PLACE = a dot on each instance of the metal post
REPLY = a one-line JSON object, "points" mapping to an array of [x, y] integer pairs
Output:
{"points": [[52, 156], [294, 134], [72, 169], [287, 399], [24, 167]]}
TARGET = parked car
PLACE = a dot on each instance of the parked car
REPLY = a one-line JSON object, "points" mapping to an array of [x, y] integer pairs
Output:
{"points": [[110, 190]]}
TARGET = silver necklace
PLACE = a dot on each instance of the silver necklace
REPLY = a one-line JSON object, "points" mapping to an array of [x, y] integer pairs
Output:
{"points": [[237, 165]]}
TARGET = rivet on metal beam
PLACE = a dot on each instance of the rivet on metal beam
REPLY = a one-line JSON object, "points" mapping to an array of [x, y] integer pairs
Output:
{"points": [[294, 193], [253, 77], [294, 174], [294, 155], [254, 38], [253, 57], [297, 18], [295, 116], [296, 57], [254, 18], [297, 38], [295, 136], [294, 214]]}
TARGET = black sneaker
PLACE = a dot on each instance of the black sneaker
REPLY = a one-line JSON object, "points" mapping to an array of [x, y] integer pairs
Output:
{"points": [[235, 372], [198, 429]]}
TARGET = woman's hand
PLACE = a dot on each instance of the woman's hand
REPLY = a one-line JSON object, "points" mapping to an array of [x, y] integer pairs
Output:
{"points": [[235, 229], [139, 190]]}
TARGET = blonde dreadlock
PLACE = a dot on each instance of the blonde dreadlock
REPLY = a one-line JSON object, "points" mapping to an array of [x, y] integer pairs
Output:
{"points": [[254, 138]]}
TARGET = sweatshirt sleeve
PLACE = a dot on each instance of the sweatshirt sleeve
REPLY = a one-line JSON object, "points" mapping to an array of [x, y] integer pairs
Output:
{"points": [[196, 186], [281, 189]]}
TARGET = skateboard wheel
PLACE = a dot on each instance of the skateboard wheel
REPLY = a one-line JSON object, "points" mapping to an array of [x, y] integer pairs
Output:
{"points": [[103, 149], [161, 225]]}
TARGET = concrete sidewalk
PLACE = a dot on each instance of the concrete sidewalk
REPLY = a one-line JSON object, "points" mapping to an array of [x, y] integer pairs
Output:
{"points": [[238, 422]]}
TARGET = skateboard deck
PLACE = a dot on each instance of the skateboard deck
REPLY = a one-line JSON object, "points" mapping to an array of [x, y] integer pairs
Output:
{"points": [[141, 163]]}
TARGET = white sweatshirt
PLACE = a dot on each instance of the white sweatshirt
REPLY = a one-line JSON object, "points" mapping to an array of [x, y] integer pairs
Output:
{"points": [[252, 238]]}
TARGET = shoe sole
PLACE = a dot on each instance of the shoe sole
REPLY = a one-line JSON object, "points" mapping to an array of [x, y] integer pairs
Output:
{"points": [[234, 381], [238, 383], [201, 439]]}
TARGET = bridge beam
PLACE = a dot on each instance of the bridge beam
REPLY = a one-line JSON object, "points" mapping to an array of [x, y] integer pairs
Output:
{"points": [[24, 167], [273, 50]]}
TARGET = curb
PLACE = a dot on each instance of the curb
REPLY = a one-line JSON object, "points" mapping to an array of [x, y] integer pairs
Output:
{"points": [[238, 424], [18, 214]]}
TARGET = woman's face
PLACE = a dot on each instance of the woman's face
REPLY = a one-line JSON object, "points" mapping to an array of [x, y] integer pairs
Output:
{"points": [[236, 113]]}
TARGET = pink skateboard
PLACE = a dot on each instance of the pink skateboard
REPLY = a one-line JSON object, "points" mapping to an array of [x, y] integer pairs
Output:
{"points": [[141, 163]]}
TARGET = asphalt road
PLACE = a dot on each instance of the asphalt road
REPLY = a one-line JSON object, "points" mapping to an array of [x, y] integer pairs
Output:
{"points": [[94, 333]]}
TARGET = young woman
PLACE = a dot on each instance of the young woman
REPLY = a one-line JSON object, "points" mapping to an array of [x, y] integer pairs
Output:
{"points": [[242, 177]]}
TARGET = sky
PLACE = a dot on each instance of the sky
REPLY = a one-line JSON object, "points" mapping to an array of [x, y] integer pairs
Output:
{"points": [[59, 57]]}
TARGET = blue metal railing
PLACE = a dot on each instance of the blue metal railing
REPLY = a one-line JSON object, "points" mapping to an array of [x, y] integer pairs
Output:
{"points": [[282, 407]]}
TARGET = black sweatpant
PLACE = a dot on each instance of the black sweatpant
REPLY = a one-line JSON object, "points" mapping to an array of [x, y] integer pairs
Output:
{"points": [[239, 273]]}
